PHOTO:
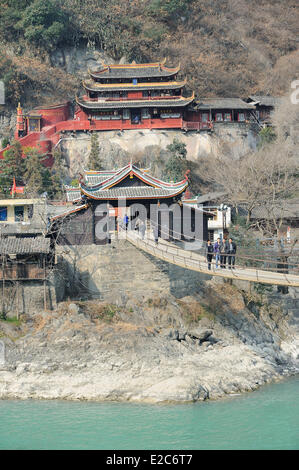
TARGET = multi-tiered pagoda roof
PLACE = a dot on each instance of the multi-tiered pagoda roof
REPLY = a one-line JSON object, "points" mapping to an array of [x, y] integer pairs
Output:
{"points": [[145, 91]]}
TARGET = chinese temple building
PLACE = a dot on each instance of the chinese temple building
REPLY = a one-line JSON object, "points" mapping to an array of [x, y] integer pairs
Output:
{"points": [[221, 110], [119, 97], [145, 96], [105, 199]]}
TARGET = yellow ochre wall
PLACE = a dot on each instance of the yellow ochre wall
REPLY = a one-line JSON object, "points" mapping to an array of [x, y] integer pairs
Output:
{"points": [[11, 204]]}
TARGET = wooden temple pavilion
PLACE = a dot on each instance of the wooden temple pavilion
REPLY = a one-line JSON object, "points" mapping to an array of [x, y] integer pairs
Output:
{"points": [[221, 110], [142, 96], [105, 199]]}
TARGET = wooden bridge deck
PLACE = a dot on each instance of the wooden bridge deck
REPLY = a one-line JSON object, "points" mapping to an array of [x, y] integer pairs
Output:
{"points": [[191, 260]]}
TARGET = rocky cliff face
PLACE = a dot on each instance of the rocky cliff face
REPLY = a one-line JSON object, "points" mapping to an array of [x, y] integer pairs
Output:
{"points": [[145, 147], [150, 349]]}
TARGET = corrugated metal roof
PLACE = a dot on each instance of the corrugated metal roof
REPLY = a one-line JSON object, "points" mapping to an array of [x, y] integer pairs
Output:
{"points": [[18, 246]]}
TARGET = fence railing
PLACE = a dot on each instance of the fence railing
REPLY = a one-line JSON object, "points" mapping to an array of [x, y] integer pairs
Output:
{"points": [[195, 261]]}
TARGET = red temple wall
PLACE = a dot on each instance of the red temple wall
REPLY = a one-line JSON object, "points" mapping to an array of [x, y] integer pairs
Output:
{"points": [[54, 114], [194, 116], [134, 94]]}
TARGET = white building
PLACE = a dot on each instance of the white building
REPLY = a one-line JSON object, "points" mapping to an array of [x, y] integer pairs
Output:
{"points": [[220, 214]]}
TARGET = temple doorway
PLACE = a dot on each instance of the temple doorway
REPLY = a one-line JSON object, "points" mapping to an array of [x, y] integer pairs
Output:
{"points": [[136, 116]]}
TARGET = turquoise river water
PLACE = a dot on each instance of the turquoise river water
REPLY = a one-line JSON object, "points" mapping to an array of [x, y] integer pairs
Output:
{"points": [[265, 419]]}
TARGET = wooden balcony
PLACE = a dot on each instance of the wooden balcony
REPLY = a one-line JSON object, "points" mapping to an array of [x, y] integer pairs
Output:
{"points": [[23, 272]]}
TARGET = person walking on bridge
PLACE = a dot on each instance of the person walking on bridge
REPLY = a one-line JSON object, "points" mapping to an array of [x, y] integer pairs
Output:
{"points": [[232, 249], [223, 253], [216, 247], [210, 251]]}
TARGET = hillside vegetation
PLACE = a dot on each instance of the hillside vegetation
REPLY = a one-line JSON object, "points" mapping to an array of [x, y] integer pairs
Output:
{"points": [[225, 47]]}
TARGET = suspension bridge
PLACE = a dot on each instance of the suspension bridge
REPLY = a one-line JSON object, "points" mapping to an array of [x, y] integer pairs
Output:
{"points": [[188, 259]]}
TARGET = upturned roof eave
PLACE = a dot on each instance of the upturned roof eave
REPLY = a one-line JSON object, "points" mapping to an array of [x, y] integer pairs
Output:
{"points": [[132, 169], [161, 70], [142, 197], [130, 86], [162, 103]]}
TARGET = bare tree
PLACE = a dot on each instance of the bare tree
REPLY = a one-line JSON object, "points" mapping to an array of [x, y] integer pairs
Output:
{"points": [[266, 179]]}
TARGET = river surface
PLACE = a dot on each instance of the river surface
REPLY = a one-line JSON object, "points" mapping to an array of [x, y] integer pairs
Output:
{"points": [[265, 419]]}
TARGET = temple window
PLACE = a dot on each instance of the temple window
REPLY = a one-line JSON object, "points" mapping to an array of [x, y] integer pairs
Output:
{"points": [[3, 213], [205, 117], [219, 117], [19, 213], [227, 117], [169, 113], [241, 116], [145, 114], [126, 114]]}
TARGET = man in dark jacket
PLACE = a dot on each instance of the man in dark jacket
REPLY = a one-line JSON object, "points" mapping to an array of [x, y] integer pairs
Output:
{"points": [[232, 249], [223, 253], [210, 251]]}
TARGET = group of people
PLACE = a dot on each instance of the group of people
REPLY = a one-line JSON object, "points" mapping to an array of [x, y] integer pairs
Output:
{"points": [[224, 251]]}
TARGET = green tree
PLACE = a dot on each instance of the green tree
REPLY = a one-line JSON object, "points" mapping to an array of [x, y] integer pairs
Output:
{"points": [[169, 9], [177, 163], [44, 24], [36, 175], [74, 183], [266, 136], [4, 143], [11, 166], [57, 176], [94, 161]]}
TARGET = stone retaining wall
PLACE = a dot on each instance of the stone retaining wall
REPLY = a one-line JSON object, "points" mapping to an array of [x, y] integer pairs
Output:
{"points": [[113, 271]]}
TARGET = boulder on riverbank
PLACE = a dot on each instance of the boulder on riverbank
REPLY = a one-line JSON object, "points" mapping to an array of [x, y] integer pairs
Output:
{"points": [[144, 351]]}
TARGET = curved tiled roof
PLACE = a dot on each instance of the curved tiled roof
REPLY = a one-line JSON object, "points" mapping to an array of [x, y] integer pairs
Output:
{"points": [[94, 86], [153, 187], [103, 185], [140, 103], [134, 192], [134, 71]]}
